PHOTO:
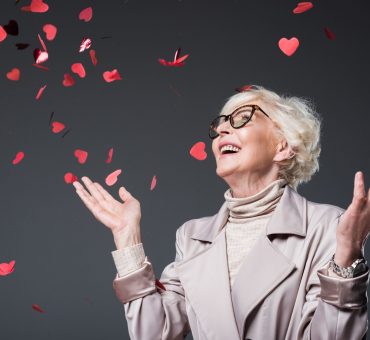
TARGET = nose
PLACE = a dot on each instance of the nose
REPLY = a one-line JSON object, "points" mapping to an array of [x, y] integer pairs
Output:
{"points": [[224, 128]]}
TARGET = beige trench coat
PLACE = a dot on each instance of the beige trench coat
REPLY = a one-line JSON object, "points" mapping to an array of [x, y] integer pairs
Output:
{"points": [[282, 290]]}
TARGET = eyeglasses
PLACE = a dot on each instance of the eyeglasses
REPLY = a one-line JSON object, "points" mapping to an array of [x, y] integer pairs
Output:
{"points": [[238, 118]]}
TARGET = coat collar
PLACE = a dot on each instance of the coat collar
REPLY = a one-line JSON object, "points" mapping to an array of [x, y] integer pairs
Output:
{"points": [[285, 220], [224, 313]]}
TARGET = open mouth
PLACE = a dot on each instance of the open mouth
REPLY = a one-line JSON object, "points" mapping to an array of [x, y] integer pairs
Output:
{"points": [[229, 149]]}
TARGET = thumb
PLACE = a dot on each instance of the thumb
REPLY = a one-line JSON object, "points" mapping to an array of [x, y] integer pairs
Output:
{"points": [[124, 194]]}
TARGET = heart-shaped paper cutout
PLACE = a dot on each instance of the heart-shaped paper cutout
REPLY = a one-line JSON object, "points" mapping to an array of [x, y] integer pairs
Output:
{"points": [[110, 156], [18, 158], [57, 127], [37, 308], [14, 74], [12, 28], [7, 268], [302, 7], [86, 14], [244, 88], [81, 156], [85, 44], [69, 178], [154, 183], [37, 6], [39, 93], [198, 151], [93, 57], [68, 80], [3, 34], [288, 46], [329, 34], [40, 56], [110, 76], [79, 69], [50, 31], [112, 178]]}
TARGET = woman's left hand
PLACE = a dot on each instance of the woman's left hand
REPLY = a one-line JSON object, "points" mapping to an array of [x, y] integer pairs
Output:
{"points": [[354, 225]]}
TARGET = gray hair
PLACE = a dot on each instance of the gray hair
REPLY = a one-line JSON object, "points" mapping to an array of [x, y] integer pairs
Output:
{"points": [[297, 122]]}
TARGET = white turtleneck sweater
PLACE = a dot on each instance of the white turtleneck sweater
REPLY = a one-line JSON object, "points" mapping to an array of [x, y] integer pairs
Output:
{"points": [[247, 220]]}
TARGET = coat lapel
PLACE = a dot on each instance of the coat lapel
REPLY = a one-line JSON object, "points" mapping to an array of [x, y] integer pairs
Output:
{"points": [[222, 313]]}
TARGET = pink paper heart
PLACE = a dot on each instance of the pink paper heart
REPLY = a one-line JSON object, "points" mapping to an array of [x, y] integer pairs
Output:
{"points": [[86, 14], [69, 178], [288, 46], [37, 308], [79, 69], [56, 127], [302, 7], [50, 31], [68, 80], [3, 34], [198, 151], [110, 156], [81, 156], [112, 178], [18, 158], [110, 76], [40, 56], [154, 183], [14, 74], [7, 268]]}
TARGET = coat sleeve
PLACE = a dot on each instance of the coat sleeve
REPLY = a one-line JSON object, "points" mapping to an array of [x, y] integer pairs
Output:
{"points": [[335, 308], [153, 313]]}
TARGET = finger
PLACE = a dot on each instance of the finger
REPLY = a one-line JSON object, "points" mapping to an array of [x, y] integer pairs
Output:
{"points": [[359, 194], [107, 196], [124, 194], [92, 189], [87, 199]]}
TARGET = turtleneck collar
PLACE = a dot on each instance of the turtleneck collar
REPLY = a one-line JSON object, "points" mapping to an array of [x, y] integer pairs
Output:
{"points": [[259, 204]]}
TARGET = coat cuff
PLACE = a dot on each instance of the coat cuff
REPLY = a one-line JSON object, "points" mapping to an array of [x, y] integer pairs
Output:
{"points": [[136, 284], [343, 292], [128, 259]]}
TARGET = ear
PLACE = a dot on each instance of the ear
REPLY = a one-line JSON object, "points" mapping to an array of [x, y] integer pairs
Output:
{"points": [[283, 151]]}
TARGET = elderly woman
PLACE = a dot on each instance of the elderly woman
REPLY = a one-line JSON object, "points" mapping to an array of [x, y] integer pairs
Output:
{"points": [[270, 264]]}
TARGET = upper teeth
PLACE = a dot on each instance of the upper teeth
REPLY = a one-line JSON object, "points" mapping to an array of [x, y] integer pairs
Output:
{"points": [[230, 147]]}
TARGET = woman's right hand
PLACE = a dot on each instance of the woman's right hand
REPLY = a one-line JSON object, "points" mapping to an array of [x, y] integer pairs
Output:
{"points": [[122, 218]]}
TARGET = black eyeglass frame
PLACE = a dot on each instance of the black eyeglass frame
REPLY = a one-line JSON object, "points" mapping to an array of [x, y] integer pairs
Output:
{"points": [[229, 117]]}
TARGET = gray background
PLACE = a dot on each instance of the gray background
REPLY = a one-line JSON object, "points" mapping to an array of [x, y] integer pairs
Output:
{"points": [[151, 118]]}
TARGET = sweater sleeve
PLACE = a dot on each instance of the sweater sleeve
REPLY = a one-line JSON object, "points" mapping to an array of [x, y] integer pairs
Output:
{"points": [[129, 259]]}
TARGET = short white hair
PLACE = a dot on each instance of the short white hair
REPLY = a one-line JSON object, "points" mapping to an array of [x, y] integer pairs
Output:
{"points": [[296, 121]]}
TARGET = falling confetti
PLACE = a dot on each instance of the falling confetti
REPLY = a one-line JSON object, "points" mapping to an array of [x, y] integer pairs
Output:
{"points": [[50, 31], [37, 6], [21, 46], [198, 151], [57, 127], [14, 74], [302, 7], [68, 80], [85, 44], [40, 92], [112, 178], [93, 57], [110, 76], [86, 14], [18, 158], [3, 34], [110, 156], [81, 156], [244, 88], [37, 308], [177, 60], [7, 268], [288, 46], [79, 69], [69, 178], [329, 34], [159, 284], [154, 183], [12, 28], [41, 55]]}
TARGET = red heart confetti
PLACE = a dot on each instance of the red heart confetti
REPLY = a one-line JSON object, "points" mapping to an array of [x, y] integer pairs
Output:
{"points": [[41, 66], [85, 44], [12, 28], [3, 34], [40, 56], [154, 183], [93, 57], [37, 308], [110, 76], [198, 151], [50, 31], [177, 61], [57, 127], [37, 6], [86, 14], [159, 284], [110, 156], [7, 268], [39, 93], [329, 34], [14, 74], [79, 69], [21, 46], [302, 7], [288, 46], [81, 156], [244, 88], [112, 178], [18, 158], [69, 178], [68, 80]]}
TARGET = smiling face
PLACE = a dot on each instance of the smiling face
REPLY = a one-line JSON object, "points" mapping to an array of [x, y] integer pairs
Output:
{"points": [[251, 149]]}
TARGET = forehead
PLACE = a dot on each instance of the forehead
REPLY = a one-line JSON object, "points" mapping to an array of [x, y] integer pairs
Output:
{"points": [[234, 104]]}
